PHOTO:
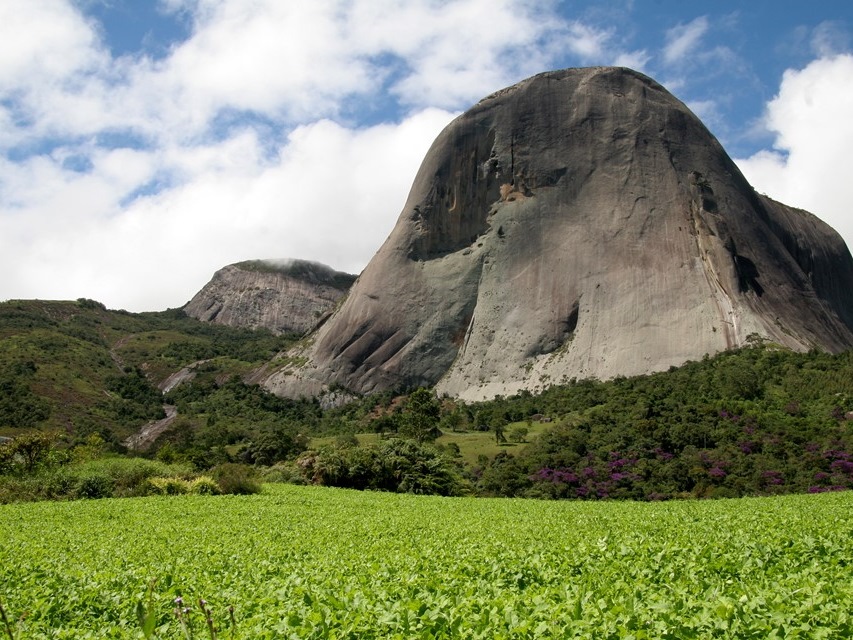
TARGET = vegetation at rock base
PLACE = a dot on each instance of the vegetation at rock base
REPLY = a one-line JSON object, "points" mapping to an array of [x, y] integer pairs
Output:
{"points": [[308, 562], [758, 420], [419, 421], [31, 469], [755, 421], [398, 465]]}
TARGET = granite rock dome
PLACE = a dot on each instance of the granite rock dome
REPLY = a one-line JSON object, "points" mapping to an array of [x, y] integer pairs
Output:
{"points": [[581, 223]]}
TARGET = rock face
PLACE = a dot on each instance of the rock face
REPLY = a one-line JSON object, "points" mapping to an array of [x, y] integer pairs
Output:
{"points": [[282, 296], [582, 223]]}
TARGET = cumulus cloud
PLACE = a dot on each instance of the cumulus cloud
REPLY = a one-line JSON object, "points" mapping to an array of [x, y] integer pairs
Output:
{"points": [[47, 51], [706, 110], [45, 39], [290, 61], [326, 197], [300, 61], [131, 179], [633, 60], [289, 58], [586, 41], [809, 164]]}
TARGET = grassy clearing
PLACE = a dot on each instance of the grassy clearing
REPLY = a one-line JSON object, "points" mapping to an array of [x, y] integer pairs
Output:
{"points": [[307, 562], [472, 444]]}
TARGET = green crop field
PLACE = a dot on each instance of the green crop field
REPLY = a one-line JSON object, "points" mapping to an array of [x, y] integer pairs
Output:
{"points": [[307, 562]]}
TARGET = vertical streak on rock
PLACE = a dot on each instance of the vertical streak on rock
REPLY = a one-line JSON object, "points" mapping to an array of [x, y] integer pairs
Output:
{"points": [[705, 238]]}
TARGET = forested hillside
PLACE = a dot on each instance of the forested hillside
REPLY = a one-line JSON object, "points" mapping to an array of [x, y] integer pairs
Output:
{"points": [[78, 368], [755, 421]]}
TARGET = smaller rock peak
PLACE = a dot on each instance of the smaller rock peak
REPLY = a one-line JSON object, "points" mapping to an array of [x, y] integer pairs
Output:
{"points": [[306, 270], [280, 295]]}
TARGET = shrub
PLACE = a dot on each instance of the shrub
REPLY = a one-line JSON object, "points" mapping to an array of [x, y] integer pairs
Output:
{"points": [[398, 465], [174, 486], [95, 485], [168, 486], [13, 489], [203, 485], [130, 475], [286, 473], [59, 484], [101, 478], [26, 453], [236, 478]]}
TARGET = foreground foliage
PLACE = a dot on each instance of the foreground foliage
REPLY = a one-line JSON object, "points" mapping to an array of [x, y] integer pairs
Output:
{"points": [[306, 562], [397, 465]]}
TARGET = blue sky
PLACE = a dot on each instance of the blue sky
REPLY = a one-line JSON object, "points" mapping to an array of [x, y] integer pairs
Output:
{"points": [[145, 144]]}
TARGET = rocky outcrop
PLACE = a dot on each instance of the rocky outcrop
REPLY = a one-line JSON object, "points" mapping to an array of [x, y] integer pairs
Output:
{"points": [[582, 223], [282, 296], [149, 433]]}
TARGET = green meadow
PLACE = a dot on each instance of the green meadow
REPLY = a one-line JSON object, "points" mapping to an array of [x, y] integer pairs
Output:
{"points": [[313, 562]]}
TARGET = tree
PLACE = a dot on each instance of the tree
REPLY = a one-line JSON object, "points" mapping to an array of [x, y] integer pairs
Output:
{"points": [[269, 447], [27, 451], [404, 466], [452, 420], [419, 420], [385, 424], [499, 426]]}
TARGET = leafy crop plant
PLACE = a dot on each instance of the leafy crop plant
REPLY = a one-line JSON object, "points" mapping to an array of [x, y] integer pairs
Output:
{"points": [[313, 562]]}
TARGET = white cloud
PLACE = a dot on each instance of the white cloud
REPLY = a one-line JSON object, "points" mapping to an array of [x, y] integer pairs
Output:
{"points": [[45, 39], [332, 195], [300, 61], [119, 182], [291, 57], [588, 42], [683, 39], [455, 53], [47, 52], [810, 166], [706, 110]]}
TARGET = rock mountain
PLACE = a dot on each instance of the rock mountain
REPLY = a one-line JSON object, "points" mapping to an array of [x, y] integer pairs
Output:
{"points": [[280, 295], [582, 223]]}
